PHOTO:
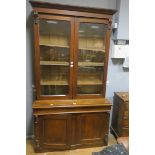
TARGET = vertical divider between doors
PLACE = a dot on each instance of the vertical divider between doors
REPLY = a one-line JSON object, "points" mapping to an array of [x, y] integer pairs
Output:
{"points": [[75, 56], [71, 59]]}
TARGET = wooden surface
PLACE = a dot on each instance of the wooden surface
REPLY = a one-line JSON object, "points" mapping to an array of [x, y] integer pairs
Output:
{"points": [[92, 128], [123, 95], [71, 131], [55, 82], [70, 121], [90, 64], [107, 46], [71, 8], [73, 69], [55, 132], [59, 63], [83, 151], [69, 102], [52, 45], [65, 82], [89, 82], [120, 115]]}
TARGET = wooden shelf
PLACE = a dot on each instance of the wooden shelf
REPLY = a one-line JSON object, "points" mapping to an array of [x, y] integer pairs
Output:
{"points": [[79, 82], [51, 45], [57, 63], [54, 82], [64, 46], [91, 49], [90, 64], [89, 82]]}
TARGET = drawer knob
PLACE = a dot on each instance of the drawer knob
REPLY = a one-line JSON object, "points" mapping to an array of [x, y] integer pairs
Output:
{"points": [[51, 104], [74, 103]]}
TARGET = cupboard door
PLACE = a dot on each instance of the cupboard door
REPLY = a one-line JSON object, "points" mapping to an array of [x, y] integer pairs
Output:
{"points": [[55, 132], [92, 129], [55, 56], [90, 58]]}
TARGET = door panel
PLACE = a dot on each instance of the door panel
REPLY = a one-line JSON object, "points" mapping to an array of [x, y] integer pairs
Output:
{"points": [[56, 131], [55, 50], [90, 56], [92, 128]]}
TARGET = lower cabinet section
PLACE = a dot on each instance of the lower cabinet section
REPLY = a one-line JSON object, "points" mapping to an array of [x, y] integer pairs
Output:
{"points": [[69, 131]]}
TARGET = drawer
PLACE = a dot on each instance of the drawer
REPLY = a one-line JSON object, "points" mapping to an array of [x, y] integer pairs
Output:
{"points": [[125, 123], [126, 106], [126, 114], [125, 132]]}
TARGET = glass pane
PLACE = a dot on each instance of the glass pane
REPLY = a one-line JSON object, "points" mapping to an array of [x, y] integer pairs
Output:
{"points": [[54, 57], [90, 80], [91, 55], [95, 89]]}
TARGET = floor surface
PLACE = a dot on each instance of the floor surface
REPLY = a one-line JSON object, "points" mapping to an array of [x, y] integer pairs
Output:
{"points": [[86, 151]]}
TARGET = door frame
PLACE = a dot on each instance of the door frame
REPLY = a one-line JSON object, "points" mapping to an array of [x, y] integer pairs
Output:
{"points": [[107, 45], [37, 55]]}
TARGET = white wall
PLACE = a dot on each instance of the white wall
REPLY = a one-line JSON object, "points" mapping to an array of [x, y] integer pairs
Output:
{"points": [[123, 20], [110, 4]]}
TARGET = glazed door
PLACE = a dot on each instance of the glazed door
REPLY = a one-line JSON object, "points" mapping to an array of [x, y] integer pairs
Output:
{"points": [[91, 54], [54, 57]]}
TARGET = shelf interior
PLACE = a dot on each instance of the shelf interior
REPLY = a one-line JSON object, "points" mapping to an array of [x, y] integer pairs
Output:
{"points": [[52, 45], [80, 48], [54, 82], [90, 64], [60, 63], [89, 82], [79, 82]]}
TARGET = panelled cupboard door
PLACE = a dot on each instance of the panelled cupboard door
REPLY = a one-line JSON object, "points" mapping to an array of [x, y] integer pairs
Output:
{"points": [[55, 132], [92, 128], [91, 53], [54, 36]]}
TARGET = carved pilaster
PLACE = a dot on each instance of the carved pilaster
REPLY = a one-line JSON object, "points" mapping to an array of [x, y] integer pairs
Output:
{"points": [[106, 139], [36, 130], [109, 24], [36, 17], [36, 119], [37, 143]]}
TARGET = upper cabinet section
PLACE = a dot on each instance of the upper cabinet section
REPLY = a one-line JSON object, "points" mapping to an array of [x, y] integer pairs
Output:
{"points": [[55, 8], [71, 50]]}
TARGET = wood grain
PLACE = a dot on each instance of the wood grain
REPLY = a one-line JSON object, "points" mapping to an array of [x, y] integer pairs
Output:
{"points": [[74, 120]]}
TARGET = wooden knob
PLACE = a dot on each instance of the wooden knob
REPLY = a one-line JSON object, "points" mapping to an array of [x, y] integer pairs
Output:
{"points": [[51, 104], [74, 103]]}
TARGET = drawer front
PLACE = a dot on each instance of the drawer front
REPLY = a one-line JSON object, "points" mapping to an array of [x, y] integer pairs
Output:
{"points": [[125, 132], [126, 106], [126, 114], [125, 123]]}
